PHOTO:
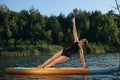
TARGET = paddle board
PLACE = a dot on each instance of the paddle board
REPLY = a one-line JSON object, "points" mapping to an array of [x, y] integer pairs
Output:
{"points": [[60, 71]]}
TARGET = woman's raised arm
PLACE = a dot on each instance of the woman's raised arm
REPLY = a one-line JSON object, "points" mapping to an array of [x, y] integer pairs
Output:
{"points": [[74, 31]]}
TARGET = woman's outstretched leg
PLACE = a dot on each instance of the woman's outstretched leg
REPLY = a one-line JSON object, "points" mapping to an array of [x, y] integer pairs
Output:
{"points": [[58, 54], [57, 60]]}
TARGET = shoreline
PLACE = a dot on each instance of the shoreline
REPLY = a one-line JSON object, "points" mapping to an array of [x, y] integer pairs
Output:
{"points": [[38, 50]]}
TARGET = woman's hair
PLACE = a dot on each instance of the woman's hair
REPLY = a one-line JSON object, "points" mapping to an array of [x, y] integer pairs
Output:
{"points": [[85, 42]]}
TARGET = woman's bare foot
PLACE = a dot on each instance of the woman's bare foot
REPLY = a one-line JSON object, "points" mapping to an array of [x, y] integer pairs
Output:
{"points": [[40, 67]]}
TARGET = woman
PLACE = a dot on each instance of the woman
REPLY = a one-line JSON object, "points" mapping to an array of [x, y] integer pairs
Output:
{"points": [[64, 54]]}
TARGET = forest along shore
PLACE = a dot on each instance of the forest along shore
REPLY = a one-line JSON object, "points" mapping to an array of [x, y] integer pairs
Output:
{"points": [[28, 32]]}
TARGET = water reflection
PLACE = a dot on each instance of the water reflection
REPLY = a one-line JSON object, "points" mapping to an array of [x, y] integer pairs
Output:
{"points": [[61, 77], [44, 77]]}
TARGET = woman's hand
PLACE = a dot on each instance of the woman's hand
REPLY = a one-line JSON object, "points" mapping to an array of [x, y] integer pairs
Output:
{"points": [[73, 20]]}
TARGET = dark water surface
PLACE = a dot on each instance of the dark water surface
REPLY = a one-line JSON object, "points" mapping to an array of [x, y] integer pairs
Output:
{"points": [[92, 60]]}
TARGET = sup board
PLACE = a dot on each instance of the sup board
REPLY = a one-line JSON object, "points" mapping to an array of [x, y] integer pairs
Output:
{"points": [[60, 71]]}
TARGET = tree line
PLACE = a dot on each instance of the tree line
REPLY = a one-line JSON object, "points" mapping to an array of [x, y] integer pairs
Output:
{"points": [[30, 27]]}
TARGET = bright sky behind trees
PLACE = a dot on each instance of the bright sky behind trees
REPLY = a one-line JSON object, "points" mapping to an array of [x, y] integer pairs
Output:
{"points": [[55, 7]]}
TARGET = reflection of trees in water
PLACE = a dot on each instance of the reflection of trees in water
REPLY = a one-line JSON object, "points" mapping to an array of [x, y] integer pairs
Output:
{"points": [[62, 77], [45, 77]]}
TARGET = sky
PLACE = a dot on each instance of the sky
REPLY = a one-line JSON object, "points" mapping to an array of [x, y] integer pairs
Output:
{"points": [[55, 7]]}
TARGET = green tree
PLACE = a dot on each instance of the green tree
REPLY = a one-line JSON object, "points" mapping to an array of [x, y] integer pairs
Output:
{"points": [[95, 23], [64, 26], [5, 28], [37, 25], [54, 26], [113, 30], [13, 27]]}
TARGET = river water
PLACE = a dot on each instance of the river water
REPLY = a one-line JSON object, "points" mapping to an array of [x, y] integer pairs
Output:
{"points": [[92, 60]]}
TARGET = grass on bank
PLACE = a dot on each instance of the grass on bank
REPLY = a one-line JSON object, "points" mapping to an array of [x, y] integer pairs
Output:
{"points": [[45, 49], [30, 50]]}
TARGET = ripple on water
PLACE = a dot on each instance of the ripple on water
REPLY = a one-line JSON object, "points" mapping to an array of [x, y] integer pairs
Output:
{"points": [[92, 60]]}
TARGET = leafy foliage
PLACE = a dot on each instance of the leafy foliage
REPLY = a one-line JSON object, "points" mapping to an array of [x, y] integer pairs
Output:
{"points": [[29, 27]]}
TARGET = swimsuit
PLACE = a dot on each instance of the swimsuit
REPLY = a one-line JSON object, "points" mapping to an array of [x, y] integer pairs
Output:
{"points": [[71, 49]]}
